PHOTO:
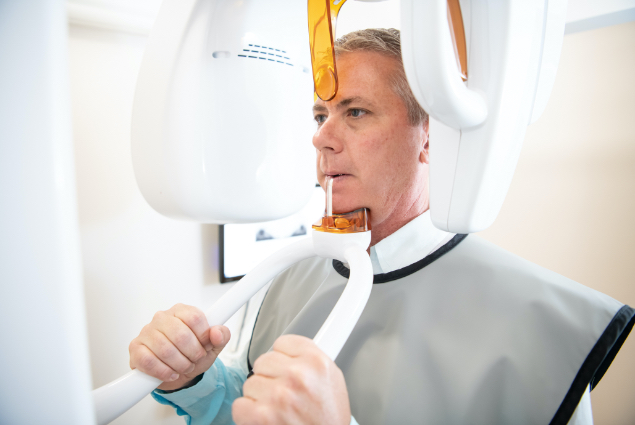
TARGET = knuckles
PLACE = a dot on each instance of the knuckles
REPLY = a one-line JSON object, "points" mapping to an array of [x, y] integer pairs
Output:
{"points": [[265, 415], [183, 368], [164, 351], [281, 396], [289, 340], [194, 317], [146, 330], [319, 362], [133, 347], [251, 385], [200, 354], [190, 315], [158, 316], [299, 377], [176, 308], [146, 362], [243, 412], [182, 339], [263, 360]]}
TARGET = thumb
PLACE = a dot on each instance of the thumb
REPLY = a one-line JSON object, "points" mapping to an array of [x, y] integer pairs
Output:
{"points": [[219, 337]]}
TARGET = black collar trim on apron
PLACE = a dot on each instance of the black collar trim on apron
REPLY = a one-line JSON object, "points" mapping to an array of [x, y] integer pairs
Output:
{"points": [[596, 363], [408, 270]]}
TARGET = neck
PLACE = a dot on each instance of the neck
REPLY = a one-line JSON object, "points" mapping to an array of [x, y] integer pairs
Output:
{"points": [[398, 218]]}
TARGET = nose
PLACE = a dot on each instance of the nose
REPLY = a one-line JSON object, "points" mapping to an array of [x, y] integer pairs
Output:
{"points": [[328, 138]]}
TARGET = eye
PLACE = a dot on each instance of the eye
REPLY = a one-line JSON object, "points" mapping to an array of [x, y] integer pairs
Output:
{"points": [[356, 113], [320, 118]]}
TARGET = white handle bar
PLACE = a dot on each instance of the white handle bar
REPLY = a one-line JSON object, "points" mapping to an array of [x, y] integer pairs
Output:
{"points": [[115, 398]]}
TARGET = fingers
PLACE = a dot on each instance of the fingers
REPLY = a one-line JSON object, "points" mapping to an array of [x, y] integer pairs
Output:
{"points": [[178, 341], [179, 334], [294, 345], [147, 362], [165, 351], [272, 364], [246, 411], [295, 383], [171, 352], [219, 337], [195, 320], [257, 387]]}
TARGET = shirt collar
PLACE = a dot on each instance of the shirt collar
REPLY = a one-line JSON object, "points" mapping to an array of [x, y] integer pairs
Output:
{"points": [[412, 242]]}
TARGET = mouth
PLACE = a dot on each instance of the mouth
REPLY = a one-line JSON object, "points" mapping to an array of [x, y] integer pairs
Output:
{"points": [[336, 176]]}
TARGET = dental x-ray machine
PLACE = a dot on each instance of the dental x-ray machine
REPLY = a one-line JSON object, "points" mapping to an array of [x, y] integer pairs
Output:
{"points": [[220, 130], [221, 126]]}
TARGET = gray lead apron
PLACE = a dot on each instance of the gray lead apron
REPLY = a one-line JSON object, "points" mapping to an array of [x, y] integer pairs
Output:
{"points": [[470, 334]]}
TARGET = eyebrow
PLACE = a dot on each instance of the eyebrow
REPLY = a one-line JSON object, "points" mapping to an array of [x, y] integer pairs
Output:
{"points": [[343, 104]]}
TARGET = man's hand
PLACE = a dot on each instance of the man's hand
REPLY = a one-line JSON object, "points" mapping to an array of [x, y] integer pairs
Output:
{"points": [[177, 346], [296, 383]]}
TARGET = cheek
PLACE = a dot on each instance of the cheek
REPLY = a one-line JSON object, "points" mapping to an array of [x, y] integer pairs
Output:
{"points": [[376, 153], [390, 160], [375, 166]]}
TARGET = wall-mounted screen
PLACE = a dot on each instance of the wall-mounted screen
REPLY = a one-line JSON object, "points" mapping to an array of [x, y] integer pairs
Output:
{"points": [[243, 246]]}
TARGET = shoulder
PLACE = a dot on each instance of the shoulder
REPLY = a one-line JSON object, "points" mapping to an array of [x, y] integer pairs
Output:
{"points": [[491, 266]]}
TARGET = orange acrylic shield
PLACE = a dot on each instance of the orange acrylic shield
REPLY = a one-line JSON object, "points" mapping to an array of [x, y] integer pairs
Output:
{"points": [[322, 21], [322, 16]]}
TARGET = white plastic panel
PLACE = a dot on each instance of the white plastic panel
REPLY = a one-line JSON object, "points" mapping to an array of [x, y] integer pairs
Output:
{"points": [[222, 120], [506, 47], [553, 37], [444, 148], [44, 354]]}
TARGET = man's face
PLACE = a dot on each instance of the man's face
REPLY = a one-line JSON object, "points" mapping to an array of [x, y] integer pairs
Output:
{"points": [[364, 140]]}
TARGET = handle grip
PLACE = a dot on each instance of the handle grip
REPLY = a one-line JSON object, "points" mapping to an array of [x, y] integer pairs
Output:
{"points": [[115, 398]]}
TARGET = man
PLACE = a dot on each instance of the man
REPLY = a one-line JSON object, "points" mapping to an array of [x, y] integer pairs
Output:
{"points": [[456, 330]]}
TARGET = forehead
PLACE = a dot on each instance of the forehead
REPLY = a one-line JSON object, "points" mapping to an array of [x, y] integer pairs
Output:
{"points": [[365, 76]]}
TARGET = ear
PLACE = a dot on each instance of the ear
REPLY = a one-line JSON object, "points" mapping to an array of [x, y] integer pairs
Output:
{"points": [[424, 154]]}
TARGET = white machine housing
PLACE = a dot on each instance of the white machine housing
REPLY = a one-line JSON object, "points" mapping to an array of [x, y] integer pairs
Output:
{"points": [[477, 128], [221, 121], [222, 124]]}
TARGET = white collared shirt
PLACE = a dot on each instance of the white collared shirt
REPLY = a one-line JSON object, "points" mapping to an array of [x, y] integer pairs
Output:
{"points": [[412, 242]]}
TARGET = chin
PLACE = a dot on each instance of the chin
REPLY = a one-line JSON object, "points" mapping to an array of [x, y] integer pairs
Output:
{"points": [[343, 205]]}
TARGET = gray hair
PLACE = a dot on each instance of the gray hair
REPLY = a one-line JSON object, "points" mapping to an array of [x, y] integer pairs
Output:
{"points": [[386, 42]]}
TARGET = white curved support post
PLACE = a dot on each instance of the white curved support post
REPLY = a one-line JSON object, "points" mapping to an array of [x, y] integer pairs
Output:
{"points": [[350, 248], [340, 323]]}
